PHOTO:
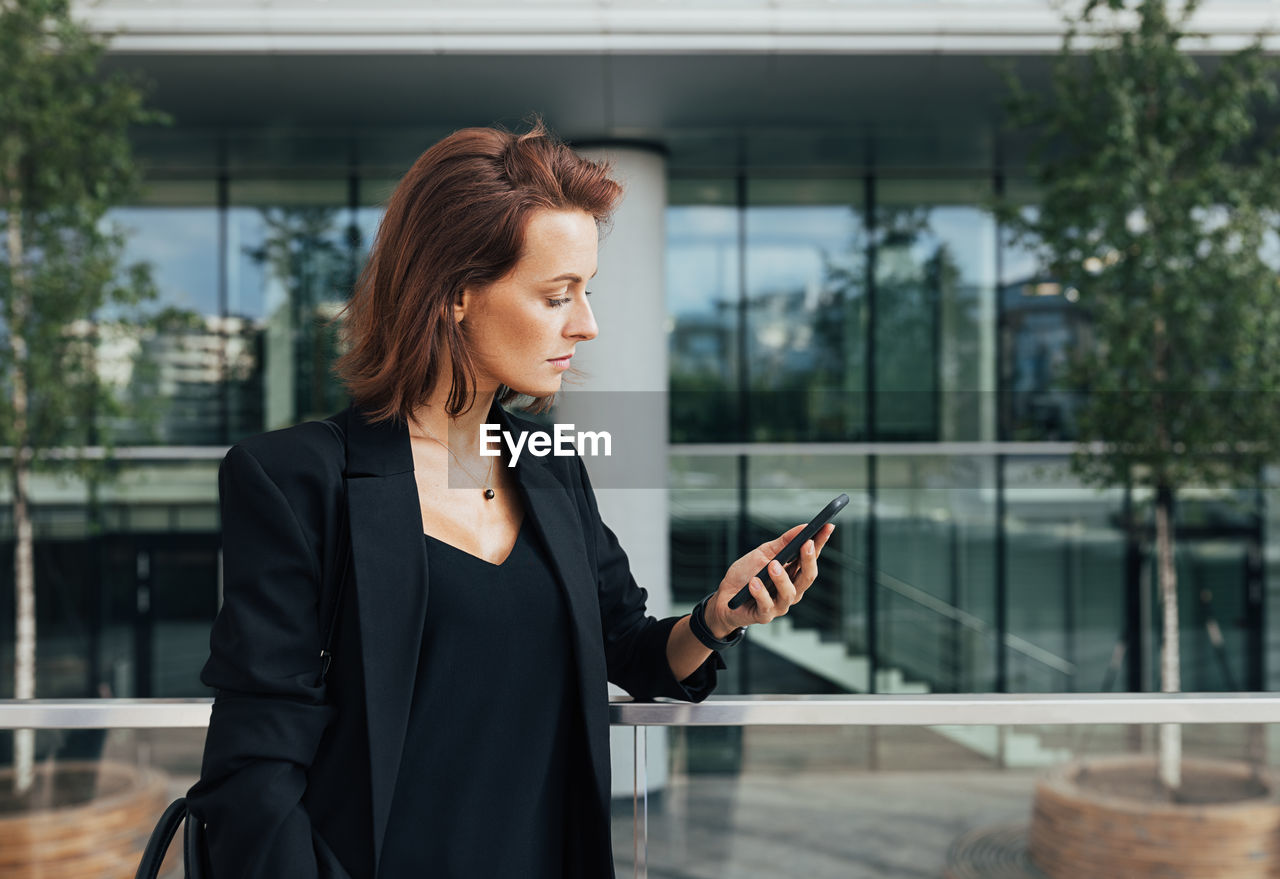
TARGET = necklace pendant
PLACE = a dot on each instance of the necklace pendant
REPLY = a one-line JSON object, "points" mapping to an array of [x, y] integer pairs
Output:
{"points": [[488, 494]]}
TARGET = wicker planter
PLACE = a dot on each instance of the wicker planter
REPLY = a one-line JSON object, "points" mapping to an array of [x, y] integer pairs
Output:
{"points": [[82, 821], [1105, 817]]}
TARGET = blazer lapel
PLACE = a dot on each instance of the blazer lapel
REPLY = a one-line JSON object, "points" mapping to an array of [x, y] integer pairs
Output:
{"points": [[390, 561], [391, 582], [555, 517]]}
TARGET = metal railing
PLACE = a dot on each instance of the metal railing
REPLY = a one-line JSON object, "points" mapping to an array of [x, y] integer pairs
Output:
{"points": [[764, 710], [1023, 709]]}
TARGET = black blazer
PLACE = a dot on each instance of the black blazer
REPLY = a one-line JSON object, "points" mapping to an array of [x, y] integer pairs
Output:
{"points": [[299, 770]]}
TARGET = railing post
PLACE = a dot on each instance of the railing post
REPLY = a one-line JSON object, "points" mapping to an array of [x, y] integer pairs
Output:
{"points": [[640, 802], [1002, 582]]}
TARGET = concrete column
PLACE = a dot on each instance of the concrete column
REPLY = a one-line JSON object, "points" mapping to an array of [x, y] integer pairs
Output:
{"points": [[626, 379]]}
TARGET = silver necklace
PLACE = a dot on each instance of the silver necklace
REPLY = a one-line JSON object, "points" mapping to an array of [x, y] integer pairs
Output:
{"points": [[488, 492]]}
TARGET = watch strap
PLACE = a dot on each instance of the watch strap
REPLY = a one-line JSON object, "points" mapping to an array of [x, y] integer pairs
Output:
{"points": [[698, 625]]}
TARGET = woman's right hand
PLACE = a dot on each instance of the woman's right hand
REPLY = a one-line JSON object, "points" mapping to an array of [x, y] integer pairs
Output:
{"points": [[722, 621]]}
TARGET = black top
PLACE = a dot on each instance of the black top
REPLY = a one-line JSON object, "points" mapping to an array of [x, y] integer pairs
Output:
{"points": [[494, 758]]}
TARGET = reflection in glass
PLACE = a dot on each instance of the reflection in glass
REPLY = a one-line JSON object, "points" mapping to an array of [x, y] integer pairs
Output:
{"points": [[704, 527], [825, 634], [935, 311], [292, 268], [170, 380], [936, 560], [1067, 580], [806, 293], [1040, 326], [1265, 584], [702, 306]]}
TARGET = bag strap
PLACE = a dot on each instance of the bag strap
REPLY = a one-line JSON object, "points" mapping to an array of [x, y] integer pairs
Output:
{"points": [[195, 849], [161, 836], [344, 534]]}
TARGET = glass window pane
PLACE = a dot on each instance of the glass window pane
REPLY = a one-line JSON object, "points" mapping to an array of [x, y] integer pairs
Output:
{"points": [[805, 283], [936, 573], [291, 266], [374, 195], [1268, 569], [704, 527], [702, 305], [170, 383], [1067, 579], [824, 637], [935, 310], [1040, 326]]}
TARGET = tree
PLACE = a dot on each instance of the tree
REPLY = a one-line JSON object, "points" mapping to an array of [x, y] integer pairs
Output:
{"points": [[65, 159], [1157, 192]]}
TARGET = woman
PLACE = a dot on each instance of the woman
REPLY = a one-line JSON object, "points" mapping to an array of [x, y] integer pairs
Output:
{"points": [[462, 729]]}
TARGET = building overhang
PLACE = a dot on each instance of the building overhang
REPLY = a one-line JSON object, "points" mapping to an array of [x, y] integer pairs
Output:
{"points": [[722, 84], [621, 26]]}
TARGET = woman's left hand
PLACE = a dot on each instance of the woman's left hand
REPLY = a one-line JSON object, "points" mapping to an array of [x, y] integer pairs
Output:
{"points": [[722, 621]]}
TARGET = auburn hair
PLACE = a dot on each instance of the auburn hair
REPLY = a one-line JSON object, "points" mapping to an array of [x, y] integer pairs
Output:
{"points": [[456, 220]]}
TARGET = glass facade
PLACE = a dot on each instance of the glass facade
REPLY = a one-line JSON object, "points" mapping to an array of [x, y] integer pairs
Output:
{"points": [[880, 326], [953, 570]]}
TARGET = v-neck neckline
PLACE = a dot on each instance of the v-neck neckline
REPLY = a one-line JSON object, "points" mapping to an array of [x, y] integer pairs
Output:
{"points": [[507, 558]]}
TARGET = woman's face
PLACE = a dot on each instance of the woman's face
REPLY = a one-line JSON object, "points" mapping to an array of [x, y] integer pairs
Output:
{"points": [[523, 328]]}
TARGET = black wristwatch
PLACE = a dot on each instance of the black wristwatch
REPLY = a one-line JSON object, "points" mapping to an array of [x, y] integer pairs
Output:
{"points": [[698, 625]]}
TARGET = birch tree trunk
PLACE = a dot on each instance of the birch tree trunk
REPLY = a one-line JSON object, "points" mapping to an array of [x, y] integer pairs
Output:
{"points": [[1170, 667], [24, 666]]}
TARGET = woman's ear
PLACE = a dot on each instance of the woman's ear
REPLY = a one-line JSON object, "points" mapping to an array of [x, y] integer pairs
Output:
{"points": [[460, 302]]}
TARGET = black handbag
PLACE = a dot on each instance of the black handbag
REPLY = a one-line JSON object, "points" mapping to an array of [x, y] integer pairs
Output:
{"points": [[195, 852], [195, 847]]}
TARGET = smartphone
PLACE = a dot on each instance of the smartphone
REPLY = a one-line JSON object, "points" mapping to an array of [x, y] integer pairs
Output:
{"points": [[790, 552]]}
